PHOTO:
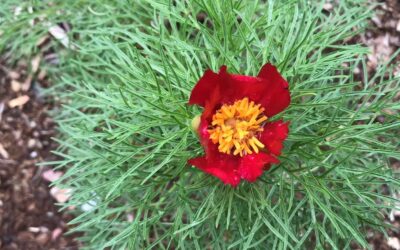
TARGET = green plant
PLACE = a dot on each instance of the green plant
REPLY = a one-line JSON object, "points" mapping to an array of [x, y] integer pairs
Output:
{"points": [[125, 133]]}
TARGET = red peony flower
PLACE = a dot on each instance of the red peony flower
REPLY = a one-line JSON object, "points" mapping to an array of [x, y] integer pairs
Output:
{"points": [[238, 139]]}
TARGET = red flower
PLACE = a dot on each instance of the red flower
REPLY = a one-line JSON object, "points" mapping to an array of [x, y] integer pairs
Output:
{"points": [[235, 132]]}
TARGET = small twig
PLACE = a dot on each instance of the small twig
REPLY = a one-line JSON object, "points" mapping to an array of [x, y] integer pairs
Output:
{"points": [[8, 161], [3, 152], [1, 110]]}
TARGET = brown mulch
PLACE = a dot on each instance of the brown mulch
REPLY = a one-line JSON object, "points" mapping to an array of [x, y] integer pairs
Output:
{"points": [[383, 39], [383, 34], [28, 217]]}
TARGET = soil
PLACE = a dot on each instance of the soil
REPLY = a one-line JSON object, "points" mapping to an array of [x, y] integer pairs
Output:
{"points": [[383, 39], [28, 217], [383, 34]]}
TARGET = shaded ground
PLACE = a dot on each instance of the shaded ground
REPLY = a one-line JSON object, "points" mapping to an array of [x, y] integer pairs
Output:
{"points": [[28, 216], [383, 39], [383, 34]]}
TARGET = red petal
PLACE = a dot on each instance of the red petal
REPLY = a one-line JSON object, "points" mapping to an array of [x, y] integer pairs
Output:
{"points": [[273, 136], [239, 86], [269, 89], [223, 167], [276, 96], [209, 92], [252, 166], [269, 71], [215, 163], [210, 148], [204, 88]]}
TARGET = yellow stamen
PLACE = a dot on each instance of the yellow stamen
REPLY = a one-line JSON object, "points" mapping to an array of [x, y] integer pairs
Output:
{"points": [[235, 127], [253, 145], [258, 143]]}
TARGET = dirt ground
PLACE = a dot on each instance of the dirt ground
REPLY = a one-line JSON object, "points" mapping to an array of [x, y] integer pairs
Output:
{"points": [[383, 38], [28, 217]]}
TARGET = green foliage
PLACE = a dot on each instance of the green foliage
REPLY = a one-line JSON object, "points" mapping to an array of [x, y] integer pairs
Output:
{"points": [[125, 131]]}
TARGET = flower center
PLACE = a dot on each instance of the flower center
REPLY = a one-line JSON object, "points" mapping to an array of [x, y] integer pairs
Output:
{"points": [[235, 127]]}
